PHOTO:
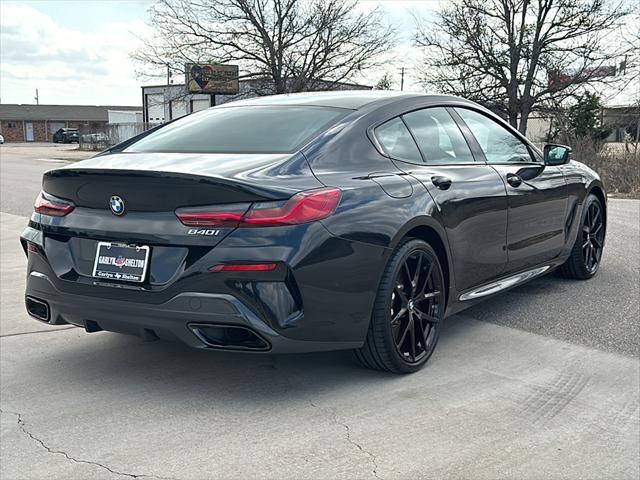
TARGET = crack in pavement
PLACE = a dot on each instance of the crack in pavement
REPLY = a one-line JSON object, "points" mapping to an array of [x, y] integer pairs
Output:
{"points": [[23, 428], [36, 331], [347, 429]]}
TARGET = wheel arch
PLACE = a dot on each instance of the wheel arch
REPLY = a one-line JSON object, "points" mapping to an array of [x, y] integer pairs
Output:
{"points": [[435, 237], [598, 190]]}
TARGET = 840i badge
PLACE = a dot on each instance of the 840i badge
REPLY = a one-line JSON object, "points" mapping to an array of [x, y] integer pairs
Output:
{"points": [[205, 232]]}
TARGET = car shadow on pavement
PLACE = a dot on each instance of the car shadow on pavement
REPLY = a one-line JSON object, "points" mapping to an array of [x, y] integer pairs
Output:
{"points": [[173, 371]]}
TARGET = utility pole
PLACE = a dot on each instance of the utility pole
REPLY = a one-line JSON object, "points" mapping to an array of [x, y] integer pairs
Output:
{"points": [[402, 79], [168, 74], [37, 98]]}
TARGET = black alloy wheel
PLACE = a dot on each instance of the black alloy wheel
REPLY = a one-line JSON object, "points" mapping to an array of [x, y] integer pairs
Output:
{"points": [[592, 237], [586, 255], [408, 311]]}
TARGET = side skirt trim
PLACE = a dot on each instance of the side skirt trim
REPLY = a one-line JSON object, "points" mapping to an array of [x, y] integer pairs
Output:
{"points": [[504, 284]]}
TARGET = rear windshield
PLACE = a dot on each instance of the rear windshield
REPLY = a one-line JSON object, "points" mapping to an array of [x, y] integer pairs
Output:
{"points": [[249, 129]]}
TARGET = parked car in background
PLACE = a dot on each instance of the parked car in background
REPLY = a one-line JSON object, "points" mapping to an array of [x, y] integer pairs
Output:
{"points": [[66, 135], [356, 221], [1, 139]]}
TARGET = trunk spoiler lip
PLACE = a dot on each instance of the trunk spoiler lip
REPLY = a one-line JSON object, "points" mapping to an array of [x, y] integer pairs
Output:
{"points": [[272, 191]]}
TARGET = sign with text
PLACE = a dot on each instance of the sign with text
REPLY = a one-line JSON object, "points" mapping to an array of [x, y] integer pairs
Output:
{"points": [[212, 78]]}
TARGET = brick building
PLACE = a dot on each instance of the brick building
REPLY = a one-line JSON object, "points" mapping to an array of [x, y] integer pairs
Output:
{"points": [[38, 123]]}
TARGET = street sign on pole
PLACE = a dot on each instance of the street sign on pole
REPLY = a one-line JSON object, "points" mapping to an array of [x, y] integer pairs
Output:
{"points": [[212, 78]]}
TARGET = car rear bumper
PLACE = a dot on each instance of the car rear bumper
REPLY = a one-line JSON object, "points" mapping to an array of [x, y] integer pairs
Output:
{"points": [[200, 320]]}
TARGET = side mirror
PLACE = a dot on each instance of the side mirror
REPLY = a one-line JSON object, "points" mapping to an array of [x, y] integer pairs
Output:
{"points": [[556, 154]]}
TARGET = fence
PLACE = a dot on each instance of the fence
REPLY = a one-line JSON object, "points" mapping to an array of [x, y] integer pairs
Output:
{"points": [[108, 135]]}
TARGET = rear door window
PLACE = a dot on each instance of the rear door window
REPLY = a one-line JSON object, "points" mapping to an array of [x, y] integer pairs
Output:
{"points": [[438, 137], [397, 142]]}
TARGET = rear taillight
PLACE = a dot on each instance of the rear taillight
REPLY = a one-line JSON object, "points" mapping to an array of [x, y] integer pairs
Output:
{"points": [[216, 216], [49, 205], [304, 207]]}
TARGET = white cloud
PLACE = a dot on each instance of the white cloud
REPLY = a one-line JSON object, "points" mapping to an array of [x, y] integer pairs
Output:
{"points": [[70, 63], [67, 65]]}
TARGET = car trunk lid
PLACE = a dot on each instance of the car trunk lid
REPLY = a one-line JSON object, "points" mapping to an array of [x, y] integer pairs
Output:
{"points": [[152, 187]]}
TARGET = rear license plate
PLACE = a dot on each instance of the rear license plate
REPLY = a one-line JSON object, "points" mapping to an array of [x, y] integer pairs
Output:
{"points": [[121, 262]]}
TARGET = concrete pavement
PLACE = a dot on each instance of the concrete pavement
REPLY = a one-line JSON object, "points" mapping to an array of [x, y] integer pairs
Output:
{"points": [[21, 169], [494, 402], [603, 312], [546, 385]]}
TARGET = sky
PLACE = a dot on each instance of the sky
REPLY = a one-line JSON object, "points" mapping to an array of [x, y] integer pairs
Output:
{"points": [[73, 52], [77, 52]]}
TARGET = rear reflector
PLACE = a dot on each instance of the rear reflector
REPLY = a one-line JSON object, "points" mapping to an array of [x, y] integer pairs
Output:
{"points": [[49, 205], [304, 207], [244, 267]]}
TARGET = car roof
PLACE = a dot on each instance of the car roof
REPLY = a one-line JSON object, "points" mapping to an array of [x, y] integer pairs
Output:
{"points": [[351, 99]]}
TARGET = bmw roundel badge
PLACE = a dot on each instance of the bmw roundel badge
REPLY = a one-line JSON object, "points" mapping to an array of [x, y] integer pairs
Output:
{"points": [[117, 205]]}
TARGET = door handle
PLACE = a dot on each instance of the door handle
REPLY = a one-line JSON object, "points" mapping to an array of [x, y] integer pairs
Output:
{"points": [[443, 183], [514, 180]]}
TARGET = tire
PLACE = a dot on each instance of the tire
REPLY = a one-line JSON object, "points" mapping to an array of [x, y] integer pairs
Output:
{"points": [[422, 299], [581, 264]]}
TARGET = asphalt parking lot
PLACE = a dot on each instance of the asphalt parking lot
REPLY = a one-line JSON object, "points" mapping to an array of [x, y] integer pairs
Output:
{"points": [[542, 382], [22, 166]]}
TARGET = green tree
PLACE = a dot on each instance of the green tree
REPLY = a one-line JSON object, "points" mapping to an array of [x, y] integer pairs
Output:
{"points": [[583, 117], [579, 123], [385, 83]]}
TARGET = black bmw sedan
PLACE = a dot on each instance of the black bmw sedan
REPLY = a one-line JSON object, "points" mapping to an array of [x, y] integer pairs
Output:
{"points": [[308, 222]]}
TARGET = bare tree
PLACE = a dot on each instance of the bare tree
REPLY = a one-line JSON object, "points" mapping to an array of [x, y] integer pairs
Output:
{"points": [[285, 45], [515, 56]]}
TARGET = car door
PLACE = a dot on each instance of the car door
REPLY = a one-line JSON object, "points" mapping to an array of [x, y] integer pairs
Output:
{"points": [[470, 195], [537, 192]]}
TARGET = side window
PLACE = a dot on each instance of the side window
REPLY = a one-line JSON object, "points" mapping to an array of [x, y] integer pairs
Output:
{"points": [[498, 144], [438, 137], [397, 141]]}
